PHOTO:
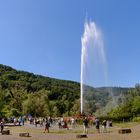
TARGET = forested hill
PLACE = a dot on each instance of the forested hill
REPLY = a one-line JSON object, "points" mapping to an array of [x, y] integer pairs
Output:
{"points": [[10, 77], [26, 93]]}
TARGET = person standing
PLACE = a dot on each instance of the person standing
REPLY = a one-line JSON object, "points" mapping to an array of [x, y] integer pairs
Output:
{"points": [[104, 126], [73, 122], [23, 119], [2, 126], [15, 121], [59, 124], [97, 124], [85, 123], [47, 125], [35, 121], [19, 120]]}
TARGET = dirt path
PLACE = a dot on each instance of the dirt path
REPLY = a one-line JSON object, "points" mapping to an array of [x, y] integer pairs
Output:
{"points": [[36, 133]]}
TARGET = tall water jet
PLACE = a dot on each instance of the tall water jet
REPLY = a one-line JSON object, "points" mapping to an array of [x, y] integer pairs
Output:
{"points": [[93, 60]]}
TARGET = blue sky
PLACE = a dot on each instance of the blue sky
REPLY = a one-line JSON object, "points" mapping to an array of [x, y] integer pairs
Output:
{"points": [[44, 36]]}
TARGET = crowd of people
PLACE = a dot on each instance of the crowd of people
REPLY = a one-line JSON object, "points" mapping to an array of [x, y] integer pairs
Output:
{"points": [[101, 127], [62, 122]]}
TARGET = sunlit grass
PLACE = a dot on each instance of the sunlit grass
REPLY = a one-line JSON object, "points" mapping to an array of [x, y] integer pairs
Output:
{"points": [[126, 124]]}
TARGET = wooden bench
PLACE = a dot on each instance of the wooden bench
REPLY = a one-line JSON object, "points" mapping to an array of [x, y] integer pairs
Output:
{"points": [[124, 131]]}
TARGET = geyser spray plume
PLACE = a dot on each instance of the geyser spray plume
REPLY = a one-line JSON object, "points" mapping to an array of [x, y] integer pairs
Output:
{"points": [[92, 45]]}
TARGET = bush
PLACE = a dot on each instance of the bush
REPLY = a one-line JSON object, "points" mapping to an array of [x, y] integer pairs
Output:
{"points": [[136, 119]]}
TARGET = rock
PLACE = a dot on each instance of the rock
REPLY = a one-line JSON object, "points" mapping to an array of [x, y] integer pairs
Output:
{"points": [[5, 132], [81, 136], [24, 135]]}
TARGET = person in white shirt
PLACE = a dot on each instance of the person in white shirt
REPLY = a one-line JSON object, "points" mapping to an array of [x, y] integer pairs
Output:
{"points": [[73, 122]]}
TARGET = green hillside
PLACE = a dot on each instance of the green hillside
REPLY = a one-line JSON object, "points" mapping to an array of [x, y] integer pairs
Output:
{"points": [[26, 93]]}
